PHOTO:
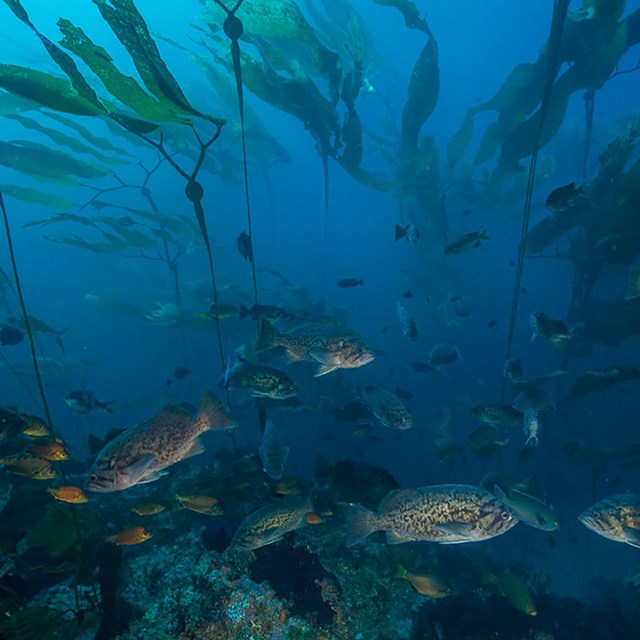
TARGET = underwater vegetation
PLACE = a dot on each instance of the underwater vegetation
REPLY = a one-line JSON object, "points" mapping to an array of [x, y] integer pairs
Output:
{"points": [[255, 207]]}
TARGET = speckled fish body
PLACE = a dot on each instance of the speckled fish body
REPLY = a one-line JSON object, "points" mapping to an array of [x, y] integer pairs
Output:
{"points": [[269, 524], [140, 453], [387, 408], [448, 514], [616, 518]]}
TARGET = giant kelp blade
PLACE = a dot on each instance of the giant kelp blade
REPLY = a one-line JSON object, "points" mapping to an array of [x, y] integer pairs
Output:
{"points": [[283, 20], [122, 87], [114, 244], [49, 91], [45, 164], [37, 197], [43, 157], [410, 13], [58, 531], [62, 59], [11, 103], [63, 140], [132, 31], [424, 89], [95, 141], [176, 224], [135, 125]]}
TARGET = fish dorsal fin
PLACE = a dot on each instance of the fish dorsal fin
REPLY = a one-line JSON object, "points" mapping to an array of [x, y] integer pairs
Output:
{"points": [[112, 434], [392, 499]]}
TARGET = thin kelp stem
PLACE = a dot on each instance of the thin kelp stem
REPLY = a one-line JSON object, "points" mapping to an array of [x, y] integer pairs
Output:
{"points": [[589, 107], [233, 29], [25, 315], [194, 193], [36, 366], [560, 8]]}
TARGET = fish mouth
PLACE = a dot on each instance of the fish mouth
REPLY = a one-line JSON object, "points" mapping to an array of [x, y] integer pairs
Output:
{"points": [[97, 484], [589, 521]]}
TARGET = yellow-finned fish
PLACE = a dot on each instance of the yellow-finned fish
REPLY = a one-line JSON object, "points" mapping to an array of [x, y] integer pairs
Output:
{"points": [[53, 450], [28, 465], [426, 584], [531, 510], [132, 535], [149, 509], [69, 493], [207, 505], [515, 590]]}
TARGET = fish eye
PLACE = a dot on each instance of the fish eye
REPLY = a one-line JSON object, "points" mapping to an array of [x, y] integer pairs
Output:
{"points": [[93, 477], [505, 515]]}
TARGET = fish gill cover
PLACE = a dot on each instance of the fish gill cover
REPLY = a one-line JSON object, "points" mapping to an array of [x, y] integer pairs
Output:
{"points": [[291, 346]]}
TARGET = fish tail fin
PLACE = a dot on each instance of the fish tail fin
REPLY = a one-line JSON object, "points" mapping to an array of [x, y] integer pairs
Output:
{"points": [[107, 406], [361, 282], [401, 573], [244, 312], [212, 414], [401, 232], [267, 336], [483, 234], [360, 522]]}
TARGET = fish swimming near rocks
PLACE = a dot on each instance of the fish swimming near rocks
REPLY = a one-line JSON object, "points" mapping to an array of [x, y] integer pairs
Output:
{"points": [[616, 518], [448, 514], [329, 346], [270, 524], [140, 453]]}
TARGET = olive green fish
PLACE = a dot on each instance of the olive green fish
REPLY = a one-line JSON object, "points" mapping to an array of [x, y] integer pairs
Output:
{"points": [[331, 347], [498, 414], [140, 453], [531, 510], [269, 524], [387, 408], [259, 380], [616, 518], [448, 514]]}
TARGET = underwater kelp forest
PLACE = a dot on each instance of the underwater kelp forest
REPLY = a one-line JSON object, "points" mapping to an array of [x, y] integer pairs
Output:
{"points": [[319, 319]]}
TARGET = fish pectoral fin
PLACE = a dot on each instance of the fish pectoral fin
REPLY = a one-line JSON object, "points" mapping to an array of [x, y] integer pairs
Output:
{"points": [[393, 537], [292, 356], [195, 449], [323, 369], [632, 536], [138, 467], [152, 476], [462, 529]]}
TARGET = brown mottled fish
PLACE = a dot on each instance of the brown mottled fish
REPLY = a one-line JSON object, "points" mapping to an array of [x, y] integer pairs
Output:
{"points": [[447, 513], [330, 347], [140, 453]]}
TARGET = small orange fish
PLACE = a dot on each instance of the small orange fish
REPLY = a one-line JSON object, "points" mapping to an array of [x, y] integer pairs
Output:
{"points": [[150, 509], [132, 535], [37, 427], [53, 450], [68, 493], [314, 518], [28, 465], [208, 505]]}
